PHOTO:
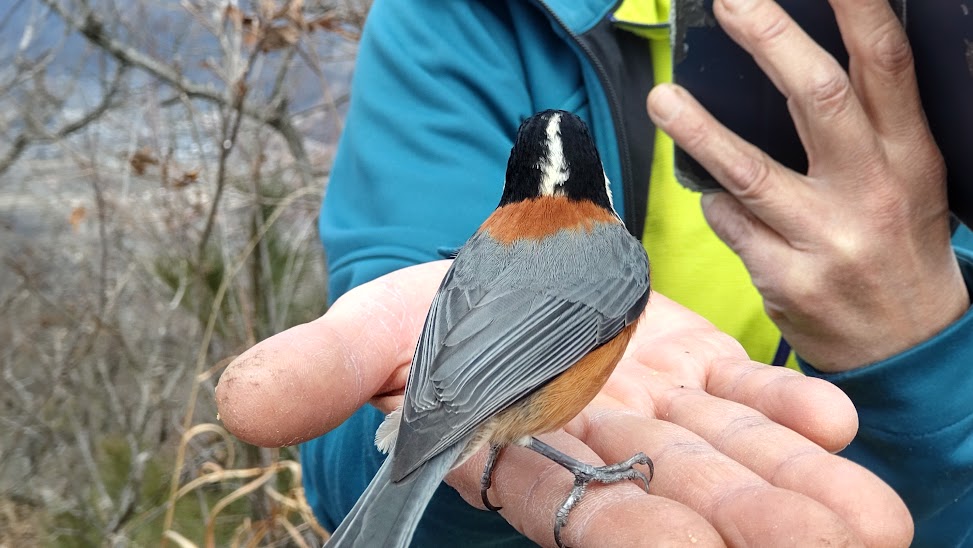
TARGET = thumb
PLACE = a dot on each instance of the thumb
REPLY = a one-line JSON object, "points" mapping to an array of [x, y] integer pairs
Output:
{"points": [[305, 381]]}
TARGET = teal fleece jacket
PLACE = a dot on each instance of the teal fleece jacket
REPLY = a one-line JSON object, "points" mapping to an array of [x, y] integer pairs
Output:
{"points": [[439, 90]]}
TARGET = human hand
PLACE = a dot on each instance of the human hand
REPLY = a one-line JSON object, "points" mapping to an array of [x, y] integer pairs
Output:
{"points": [[853, 259], [741, 450]]}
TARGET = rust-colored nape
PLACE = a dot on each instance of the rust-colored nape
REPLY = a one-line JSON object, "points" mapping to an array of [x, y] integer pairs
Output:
{"points": [[537, 218]]}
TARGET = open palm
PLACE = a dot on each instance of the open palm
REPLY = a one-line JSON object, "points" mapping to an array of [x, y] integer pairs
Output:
{"points": [[742, 451]]}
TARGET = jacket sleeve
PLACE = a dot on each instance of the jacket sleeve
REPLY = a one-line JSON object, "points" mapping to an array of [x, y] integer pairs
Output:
{"points": [[438, 93], [916, 423]]}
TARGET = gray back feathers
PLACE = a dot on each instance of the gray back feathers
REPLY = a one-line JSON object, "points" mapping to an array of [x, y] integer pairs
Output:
{"points": [[506, 320]]}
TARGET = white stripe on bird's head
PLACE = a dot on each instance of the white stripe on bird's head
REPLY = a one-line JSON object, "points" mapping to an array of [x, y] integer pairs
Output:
{"points": [[553, 166]]}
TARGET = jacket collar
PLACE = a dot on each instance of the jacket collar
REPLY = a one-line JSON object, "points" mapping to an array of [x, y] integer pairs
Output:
{"points": [[579, 16]]}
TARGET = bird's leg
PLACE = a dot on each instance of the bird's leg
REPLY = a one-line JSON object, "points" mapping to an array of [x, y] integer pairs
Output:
{"points": [[486, 480], [586, 473]]}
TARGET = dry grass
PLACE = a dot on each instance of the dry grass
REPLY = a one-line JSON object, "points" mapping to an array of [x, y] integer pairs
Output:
{"points": [[290, 512]]}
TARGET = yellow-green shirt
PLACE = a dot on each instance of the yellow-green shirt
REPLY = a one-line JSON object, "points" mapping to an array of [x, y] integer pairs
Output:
{"points": [[690, 264]]}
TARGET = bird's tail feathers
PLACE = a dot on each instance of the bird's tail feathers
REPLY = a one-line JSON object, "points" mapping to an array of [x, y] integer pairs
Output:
{"points": [[387, 514]]}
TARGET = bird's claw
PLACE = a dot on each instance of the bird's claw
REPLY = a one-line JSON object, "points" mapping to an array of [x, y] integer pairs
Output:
{"points": [[486, 480], [612, 473]]}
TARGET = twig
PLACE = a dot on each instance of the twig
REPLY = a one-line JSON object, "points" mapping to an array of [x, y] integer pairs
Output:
{"points": [[23, 140], [130, 493], [93, 29], [229, 136], [84, 445]]}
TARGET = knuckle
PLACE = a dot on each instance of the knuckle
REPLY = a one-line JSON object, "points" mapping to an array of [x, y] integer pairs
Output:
{"points": [[891, 52], [776, 312], [797, 294], [830, 92], [733, 230], [926, 160], [771, 29], [847, 249], [751, 177]]}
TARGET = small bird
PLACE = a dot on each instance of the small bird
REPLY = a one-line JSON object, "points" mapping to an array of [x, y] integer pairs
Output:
{"points": [[529, 322]]}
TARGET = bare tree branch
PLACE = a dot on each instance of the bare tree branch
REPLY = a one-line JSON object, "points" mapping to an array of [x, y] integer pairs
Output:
{"points": [[94, 30], [22, 141], [229, 136]]}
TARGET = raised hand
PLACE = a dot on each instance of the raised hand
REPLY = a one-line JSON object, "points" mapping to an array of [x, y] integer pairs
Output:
{"points": [[853, 258]]}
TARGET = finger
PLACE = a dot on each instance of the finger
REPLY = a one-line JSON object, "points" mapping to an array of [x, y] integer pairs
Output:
{"points": [[531, 488], [881, 65], [787, 459], [733, 418], [762, 417], [272, 394], [764, 186], [744, 508], [751, 239], [697, 355], [813, 408], [829, 118]]}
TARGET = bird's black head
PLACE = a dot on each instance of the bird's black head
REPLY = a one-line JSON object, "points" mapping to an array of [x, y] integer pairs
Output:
{"points": [[554, 155]]}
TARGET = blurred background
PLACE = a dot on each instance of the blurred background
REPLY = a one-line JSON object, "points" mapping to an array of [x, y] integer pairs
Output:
{"points": [[161, 167]]}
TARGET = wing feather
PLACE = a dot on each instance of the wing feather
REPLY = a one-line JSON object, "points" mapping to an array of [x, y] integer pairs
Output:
{"points": [[494, 334]]}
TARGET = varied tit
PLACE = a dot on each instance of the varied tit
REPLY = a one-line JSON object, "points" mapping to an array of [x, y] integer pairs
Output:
{"points": [[529, 322]]}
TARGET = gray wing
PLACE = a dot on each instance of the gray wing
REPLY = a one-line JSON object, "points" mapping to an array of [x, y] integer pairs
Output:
{"points": [[506, 320]]}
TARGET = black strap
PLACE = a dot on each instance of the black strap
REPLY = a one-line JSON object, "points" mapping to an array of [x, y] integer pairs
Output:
{"points": [[783, 352]]}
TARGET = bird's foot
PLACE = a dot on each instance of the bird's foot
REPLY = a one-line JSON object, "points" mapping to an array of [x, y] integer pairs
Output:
{"points": [[486, 480], [586, 473]]}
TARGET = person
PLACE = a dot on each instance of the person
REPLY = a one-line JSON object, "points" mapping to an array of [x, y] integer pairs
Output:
{"points": [[853, 265]]}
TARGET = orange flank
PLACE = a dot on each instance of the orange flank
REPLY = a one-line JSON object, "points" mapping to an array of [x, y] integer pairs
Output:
{"points": [[540, 217], [561, 399]]}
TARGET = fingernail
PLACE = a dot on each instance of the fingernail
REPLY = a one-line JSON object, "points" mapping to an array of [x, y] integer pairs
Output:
{"points": [[665, 103], [706, 199]]}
